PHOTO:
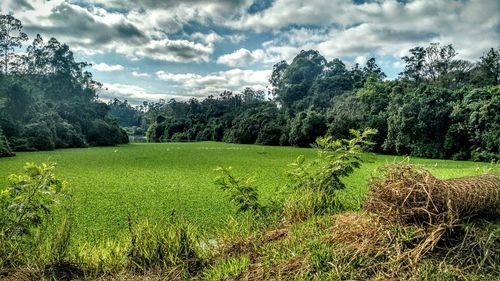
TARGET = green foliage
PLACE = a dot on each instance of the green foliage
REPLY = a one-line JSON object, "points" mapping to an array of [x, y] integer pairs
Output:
{"points": [[180, 137], [159, 245], [29, 197], [317, 182], [306, 127], [5, 150], [418, 121], [298, 77], [48, 100], [336, 159], [487, 72], [231, 268], [242, 192], [259, 123], [422, 113], [101, 133], [126, 114], [27, 210], [475, 132], [11, 37]]}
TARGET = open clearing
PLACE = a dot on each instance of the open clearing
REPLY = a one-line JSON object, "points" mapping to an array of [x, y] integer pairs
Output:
{"points": [[151, 180]]}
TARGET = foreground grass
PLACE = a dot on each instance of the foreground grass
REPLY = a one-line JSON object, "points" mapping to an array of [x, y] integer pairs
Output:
{"points": [[152, 180]]}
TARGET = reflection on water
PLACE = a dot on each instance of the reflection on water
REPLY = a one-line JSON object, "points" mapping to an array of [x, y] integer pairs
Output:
{"points": [[136, 139]]}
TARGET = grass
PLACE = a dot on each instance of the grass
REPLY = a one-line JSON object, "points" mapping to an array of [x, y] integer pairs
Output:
{"points": [[153, 180]]}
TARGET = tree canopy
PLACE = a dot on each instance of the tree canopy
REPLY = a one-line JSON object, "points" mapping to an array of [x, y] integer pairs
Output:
{"points": [[48, 99]]}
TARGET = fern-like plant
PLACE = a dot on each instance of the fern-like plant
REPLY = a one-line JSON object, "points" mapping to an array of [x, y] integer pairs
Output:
{"points": [[242, 192], [337, 158]]}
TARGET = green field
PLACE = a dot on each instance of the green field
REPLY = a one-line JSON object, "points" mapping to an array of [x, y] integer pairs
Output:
{"points": [[151, 180]]}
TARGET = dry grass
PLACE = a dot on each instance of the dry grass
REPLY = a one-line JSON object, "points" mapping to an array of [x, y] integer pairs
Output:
{"points": [[414, 214], [408, 194]]}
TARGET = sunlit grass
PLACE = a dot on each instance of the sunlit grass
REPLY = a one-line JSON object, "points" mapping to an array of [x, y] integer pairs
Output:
{"points": [[154, 180]]}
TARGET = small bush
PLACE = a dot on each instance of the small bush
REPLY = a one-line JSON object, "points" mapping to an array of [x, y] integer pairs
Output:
{"points": [[5, 150], [162, 245], [178, 137], [242, 191], [102, 133], [39, 136], [316, 182], [27, 207]]}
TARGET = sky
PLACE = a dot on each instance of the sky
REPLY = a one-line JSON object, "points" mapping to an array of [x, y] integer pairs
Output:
{"points": [[151, 50]]}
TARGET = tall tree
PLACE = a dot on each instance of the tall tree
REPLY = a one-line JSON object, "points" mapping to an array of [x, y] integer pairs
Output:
{"points": [[371, 69], [489, 68], [11, 37], [298, 77]]}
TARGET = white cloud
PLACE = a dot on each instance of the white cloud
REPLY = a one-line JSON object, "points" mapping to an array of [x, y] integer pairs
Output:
{"points": [[140, 74], [126, 91], [381, 27], [104, 67], [208, 38], [361, 60], [136, 33], [243, 57], [134, 94], [232, 80]]}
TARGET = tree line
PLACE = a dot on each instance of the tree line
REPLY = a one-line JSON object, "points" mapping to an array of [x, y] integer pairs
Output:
{"points": [[47, 99], [439, 106]]}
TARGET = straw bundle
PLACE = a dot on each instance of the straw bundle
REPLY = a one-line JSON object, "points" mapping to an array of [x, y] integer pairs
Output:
{"points": [[413, 195]]}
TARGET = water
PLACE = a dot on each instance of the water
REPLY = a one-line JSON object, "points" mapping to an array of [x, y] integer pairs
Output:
{"points": [[136, 139]]}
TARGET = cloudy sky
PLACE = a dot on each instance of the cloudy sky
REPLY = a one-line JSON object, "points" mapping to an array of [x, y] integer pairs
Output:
{"points": [[147, 49]]}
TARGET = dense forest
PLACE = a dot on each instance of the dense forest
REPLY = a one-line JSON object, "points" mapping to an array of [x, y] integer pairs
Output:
{"points": [[47, 99], [439, 107]]}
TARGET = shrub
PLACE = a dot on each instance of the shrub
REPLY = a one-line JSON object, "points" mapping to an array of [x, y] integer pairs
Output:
{"points": [[39, 136], [67, 136], [5, 150], [242, 191], [27, 205], [321, 178], [178, 137], [103, 134]]}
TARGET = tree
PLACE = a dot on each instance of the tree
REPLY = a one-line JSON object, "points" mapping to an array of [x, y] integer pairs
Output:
{"points": [[277, 75], [475, 129], [305, 127], [372, 70], [436, 65], [488, 69], [298, 78], [414, 65], [333, 81], [11, 37], [418, 121]]}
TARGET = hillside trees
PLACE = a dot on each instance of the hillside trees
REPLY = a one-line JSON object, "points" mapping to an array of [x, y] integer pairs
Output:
{"points": [[418, 121], [297, 78], [488, 69], [49, 100], [475, 129], [439, 107]]}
